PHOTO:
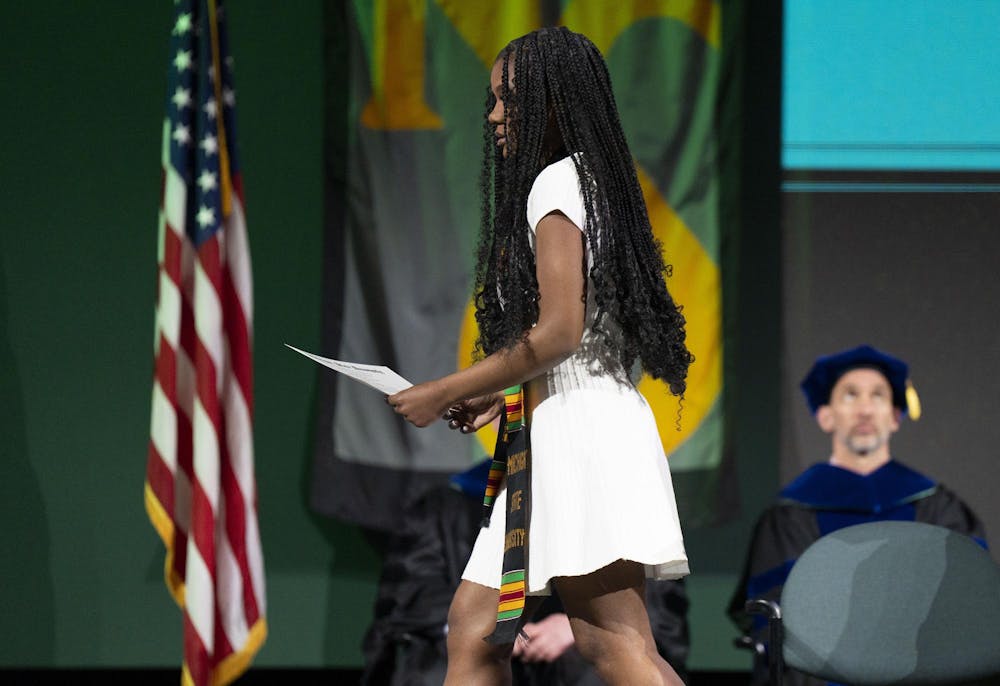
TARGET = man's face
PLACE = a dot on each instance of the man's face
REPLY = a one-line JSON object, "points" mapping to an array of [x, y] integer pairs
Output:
{"points": [[860, 415]]}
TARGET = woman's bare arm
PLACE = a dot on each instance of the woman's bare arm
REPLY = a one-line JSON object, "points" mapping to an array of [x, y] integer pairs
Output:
{"points": [[561, 309]]}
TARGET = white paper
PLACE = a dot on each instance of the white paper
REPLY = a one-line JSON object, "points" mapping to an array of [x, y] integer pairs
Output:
{"points": [[379, 378]]}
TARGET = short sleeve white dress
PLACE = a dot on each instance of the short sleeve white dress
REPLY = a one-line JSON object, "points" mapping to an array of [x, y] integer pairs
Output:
{"points": [[600, 486]]}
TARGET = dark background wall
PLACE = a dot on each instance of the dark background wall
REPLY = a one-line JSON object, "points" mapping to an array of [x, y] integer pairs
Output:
{"points": [[83, 97]]}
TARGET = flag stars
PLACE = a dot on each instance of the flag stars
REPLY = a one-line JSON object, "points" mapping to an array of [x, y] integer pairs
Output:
{"points": [[181, 134], [207, 181], [205, 217], [183, 24], [182, 98], [229, 96], [183, 60], [209, 108], [210, 144]]}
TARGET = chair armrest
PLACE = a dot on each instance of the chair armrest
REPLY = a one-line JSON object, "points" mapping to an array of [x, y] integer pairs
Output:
{"points": [[775, 636]]}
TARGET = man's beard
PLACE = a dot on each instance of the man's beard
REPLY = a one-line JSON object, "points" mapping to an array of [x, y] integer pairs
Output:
{"points": [[865, 444]]}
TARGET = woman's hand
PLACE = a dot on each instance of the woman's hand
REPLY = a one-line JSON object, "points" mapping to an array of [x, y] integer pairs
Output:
{"points": [[475, 413], [422, 404]]}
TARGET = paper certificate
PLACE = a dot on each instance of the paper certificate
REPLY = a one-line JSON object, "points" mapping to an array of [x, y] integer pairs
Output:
{"points": [[379, 378]]}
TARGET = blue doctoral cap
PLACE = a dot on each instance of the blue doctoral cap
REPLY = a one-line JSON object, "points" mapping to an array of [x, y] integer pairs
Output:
{"points": [[827, 370]]}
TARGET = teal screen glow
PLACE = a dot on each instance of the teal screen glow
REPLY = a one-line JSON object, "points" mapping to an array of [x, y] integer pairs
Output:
{"points": [[891, 84]]}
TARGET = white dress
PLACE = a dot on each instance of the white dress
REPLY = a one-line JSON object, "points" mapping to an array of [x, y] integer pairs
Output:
{"points": [[600, 486]]}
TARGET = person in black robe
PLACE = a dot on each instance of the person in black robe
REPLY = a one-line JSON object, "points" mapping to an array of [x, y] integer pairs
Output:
{"points": [[858, 397], [422, 566]]}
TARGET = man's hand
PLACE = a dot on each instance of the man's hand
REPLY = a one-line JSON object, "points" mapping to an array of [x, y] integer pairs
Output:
{"points": [[547, 640]]}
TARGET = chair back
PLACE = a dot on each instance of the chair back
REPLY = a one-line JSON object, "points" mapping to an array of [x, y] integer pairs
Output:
{"points": [[893, 603]]}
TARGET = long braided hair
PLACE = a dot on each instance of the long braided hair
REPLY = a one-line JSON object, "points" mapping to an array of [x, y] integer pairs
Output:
{"points": [[560, 101]]}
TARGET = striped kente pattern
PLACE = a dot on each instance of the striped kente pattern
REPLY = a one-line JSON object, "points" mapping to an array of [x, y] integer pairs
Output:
{"points": [[513, 421], [511, 461], [511, 595], [514, 409]]}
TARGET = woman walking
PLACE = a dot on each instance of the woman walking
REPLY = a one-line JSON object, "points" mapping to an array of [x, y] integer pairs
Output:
{"points": [[570, 294]]}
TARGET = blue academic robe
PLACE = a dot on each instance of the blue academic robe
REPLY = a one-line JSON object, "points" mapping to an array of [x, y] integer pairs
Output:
{"points": [[825, 498]]}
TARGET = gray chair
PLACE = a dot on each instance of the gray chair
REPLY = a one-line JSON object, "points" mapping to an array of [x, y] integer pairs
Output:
{"points": [[889, 603]]}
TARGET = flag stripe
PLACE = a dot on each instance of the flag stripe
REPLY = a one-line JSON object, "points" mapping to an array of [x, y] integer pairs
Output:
{"points": [[163, 429], [184, 473], [231, 621], [238, 425], [207, 309], [235, 525], [160, 479], [222, 646], [196, 655], [200, 582], [168, 307], [239, 343], [206, 455], [175, 200], [236, 248]]}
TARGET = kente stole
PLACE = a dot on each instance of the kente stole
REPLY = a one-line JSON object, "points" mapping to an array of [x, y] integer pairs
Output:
{"points": [[511, 457]]}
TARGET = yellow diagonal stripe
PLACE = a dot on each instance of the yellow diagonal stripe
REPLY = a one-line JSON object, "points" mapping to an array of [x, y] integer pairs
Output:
{"points": [[697, 288], [603, 22], [488, 26]]}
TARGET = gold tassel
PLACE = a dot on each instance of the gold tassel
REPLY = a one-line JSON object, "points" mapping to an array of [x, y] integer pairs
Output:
{"points": [[912, 401]]}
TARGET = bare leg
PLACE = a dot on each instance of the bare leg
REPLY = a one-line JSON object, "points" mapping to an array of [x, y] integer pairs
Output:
{"points": [[471, 660], [471, 617], [607, 612]]}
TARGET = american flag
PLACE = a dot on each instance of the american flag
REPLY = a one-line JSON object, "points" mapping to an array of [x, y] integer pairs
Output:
{"points": [[200, 492]]}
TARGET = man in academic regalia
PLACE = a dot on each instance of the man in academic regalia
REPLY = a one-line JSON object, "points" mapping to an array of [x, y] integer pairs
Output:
{"points": [[858, 397]]}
